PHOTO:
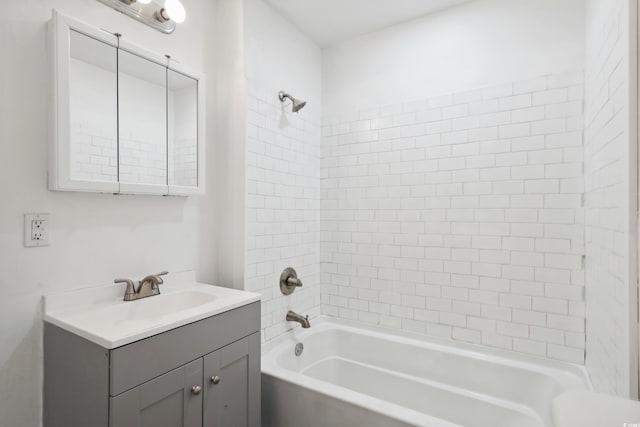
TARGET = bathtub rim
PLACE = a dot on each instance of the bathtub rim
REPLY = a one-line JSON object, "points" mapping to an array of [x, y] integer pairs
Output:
{"points": [[475, 351], [272, 349]]}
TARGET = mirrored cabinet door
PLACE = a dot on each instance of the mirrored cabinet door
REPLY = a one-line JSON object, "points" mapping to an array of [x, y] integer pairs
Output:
{"points": [[142, 92], [93, 110], [182, 105]]}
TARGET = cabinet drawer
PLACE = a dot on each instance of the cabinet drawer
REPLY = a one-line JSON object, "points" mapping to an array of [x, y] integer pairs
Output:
{"points": [[141, 361]]}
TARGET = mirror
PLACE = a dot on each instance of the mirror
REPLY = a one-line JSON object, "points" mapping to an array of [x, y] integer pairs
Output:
{"points": [[142, 91], [182, 104], [93, 110]]}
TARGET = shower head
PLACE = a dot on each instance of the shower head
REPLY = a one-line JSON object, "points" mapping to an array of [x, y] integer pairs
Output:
{"points": [[296, 106]]}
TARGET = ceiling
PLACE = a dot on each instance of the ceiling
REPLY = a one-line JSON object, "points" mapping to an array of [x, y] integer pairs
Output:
{"points": [[329, 21]]}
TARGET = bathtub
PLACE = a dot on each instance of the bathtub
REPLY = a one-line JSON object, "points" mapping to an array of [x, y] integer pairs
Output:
{"points": [[350, 375]]}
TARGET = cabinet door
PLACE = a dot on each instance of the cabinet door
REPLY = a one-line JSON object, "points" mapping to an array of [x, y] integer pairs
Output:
{"points": [[170, 400], [83, 154], [184, 134], [186, 130], [232, 385], [142, 125]]}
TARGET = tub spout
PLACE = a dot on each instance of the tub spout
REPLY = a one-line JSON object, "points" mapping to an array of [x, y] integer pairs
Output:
{"points": [[295, 317]]}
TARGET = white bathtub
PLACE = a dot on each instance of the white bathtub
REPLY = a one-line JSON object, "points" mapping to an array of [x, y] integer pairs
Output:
{"points": [[357, 376]]}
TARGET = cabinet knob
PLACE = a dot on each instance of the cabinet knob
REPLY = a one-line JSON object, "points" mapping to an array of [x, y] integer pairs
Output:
{"points": [[196, 389], [215, 379]]}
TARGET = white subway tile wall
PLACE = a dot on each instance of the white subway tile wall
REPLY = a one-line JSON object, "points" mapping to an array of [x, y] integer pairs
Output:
{"points": [[460, 216], [283, 209], [606, 199]]}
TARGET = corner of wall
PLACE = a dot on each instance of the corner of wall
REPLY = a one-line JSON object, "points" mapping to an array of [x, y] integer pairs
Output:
{"points": [[224, 213], [633, 198], [611, 196]]}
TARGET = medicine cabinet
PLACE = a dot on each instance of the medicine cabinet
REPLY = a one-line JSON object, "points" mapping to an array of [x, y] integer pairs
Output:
{"points": [[125, 120]]}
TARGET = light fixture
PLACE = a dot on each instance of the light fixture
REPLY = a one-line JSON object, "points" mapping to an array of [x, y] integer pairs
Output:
{"points": [[172, 10], [162, 15]]}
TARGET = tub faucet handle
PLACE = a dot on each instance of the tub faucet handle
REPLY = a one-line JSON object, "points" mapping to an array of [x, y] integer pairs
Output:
{"points": [[289, 281], [294, 281]]}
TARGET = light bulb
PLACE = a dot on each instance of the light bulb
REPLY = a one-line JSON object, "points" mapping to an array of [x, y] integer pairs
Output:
{"points": [[175, 10]]}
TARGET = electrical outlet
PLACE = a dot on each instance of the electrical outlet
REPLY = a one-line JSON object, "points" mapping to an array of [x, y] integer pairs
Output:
{"points": [[36, 230]]}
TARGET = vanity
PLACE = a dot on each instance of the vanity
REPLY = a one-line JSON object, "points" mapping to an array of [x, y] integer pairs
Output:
{"points": [[126, 120], [188, 357]]}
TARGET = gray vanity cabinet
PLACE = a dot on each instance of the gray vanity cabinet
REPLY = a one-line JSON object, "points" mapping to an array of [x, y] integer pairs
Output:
{"points": [[171, 400], [204, 374]]}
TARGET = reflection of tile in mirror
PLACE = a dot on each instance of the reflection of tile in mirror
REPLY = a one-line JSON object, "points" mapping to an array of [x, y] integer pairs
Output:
{"points": [[93, 109], [183, 130], [143, 131]]}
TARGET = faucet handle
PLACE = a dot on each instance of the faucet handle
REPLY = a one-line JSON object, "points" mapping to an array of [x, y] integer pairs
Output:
{"points": [[130, 291], [129, 282], [294, 281], [289, 281], [162, 273], [155, 279]]}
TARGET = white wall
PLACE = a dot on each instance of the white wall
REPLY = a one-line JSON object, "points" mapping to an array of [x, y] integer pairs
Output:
{"points": [[283, 165], [279, 57], [480, 43], [611, 197], [222, 215], [94, 237]]}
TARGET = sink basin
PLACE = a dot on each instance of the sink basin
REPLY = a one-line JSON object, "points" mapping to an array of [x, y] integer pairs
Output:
{"points": [[101, 316]]}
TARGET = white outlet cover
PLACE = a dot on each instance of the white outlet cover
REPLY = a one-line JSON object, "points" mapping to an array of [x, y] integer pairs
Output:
{"points": [[36, 230]]}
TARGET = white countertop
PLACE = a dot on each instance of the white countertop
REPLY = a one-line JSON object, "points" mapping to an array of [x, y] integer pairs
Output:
{"points": [[101, 316], [589, 409]]}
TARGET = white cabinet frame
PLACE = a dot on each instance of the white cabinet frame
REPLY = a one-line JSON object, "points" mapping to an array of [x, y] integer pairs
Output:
{"points": [[59, 174]]}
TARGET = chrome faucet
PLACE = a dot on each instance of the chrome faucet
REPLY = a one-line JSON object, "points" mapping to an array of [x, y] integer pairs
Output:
{"points": [[147, 287], [295, 317]]}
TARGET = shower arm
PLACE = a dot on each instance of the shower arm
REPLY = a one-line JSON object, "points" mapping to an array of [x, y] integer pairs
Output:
{"points": [[284, 96]]}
